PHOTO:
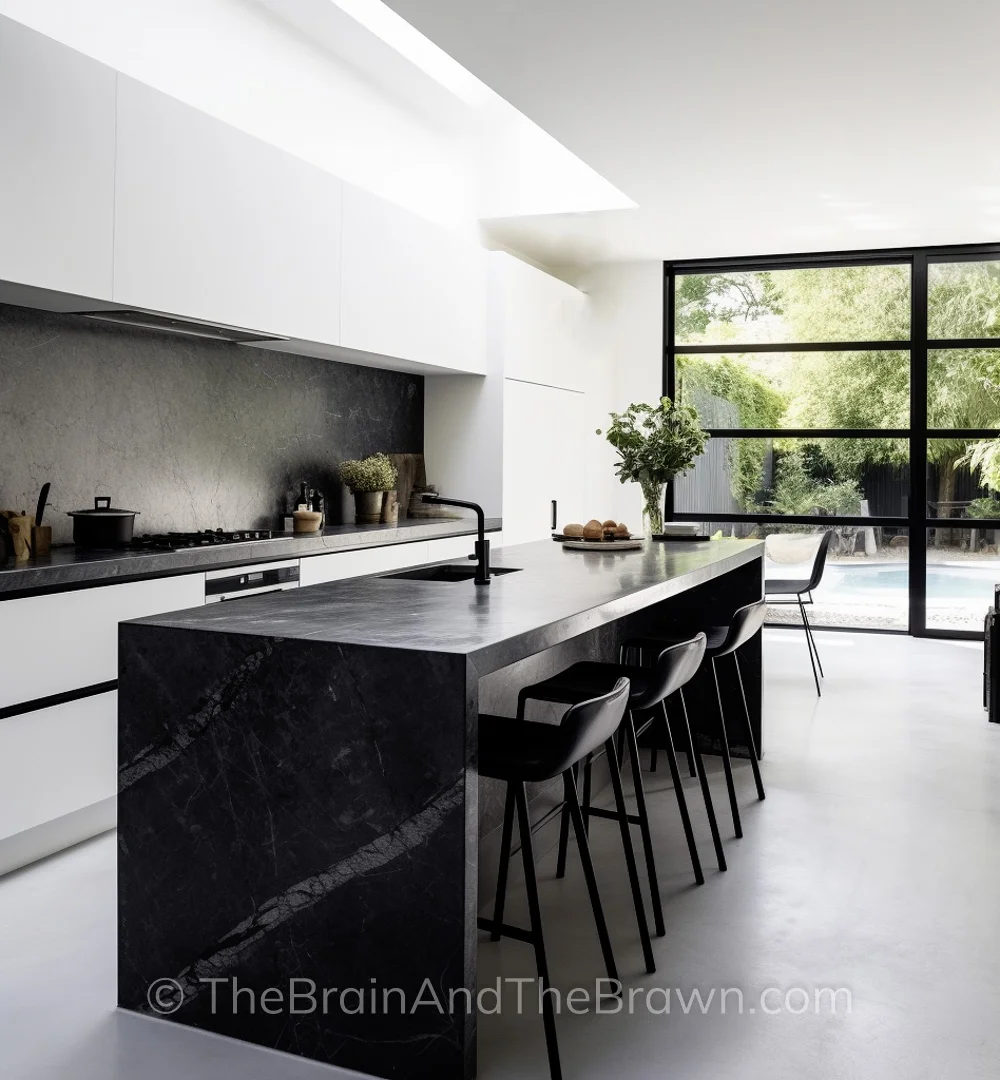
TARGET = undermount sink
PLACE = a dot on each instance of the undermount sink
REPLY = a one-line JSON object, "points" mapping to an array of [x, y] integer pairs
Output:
{"points": [[450, 572]]}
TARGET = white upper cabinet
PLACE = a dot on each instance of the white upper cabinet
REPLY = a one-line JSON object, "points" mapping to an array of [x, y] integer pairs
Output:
{"points": [[542, 320], [57, 160], [411, 289], [213, 224]]}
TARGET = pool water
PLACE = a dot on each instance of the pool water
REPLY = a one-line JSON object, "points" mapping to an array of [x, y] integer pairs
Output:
{"points": [[945, 583]]}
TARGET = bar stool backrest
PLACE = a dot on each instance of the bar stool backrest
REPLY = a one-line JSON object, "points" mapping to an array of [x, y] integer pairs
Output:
{"points": [[675, 666], [588, 725], [819, 563], [742, 627]]}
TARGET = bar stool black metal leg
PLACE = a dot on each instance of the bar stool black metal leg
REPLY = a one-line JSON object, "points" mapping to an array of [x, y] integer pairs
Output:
{"points": [[751, 744], [675, 776], [573, 803], [633, 872], [812, 638], [810, 646], [706, 791], [653, 753], [588, 787], [505, 844], [531, 886], [647, 840], [692, 767], [727, 763], [564, 832]]}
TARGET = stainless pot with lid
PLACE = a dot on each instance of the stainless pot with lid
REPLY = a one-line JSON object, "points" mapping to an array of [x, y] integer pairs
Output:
{"points": [[104, 526]]}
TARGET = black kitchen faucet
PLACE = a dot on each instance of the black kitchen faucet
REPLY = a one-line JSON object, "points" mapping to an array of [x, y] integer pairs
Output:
{"points": [[482, 555]]}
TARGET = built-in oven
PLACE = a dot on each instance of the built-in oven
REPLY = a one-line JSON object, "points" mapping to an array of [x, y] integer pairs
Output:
{"points": [[240, 581]]}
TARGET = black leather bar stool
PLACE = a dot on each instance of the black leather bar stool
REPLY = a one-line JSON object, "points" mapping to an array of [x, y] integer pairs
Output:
{"points": [[725, 641], [519, 752], [674, 665]]}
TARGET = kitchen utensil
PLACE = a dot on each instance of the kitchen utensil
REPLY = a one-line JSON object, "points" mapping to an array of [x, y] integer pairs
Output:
{"points": [[20, 531], [306, 521], [41, 540], [43, 498], [104, 526]]}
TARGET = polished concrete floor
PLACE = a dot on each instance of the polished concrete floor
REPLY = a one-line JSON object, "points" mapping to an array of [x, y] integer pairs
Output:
{"points": [[871, 868]]}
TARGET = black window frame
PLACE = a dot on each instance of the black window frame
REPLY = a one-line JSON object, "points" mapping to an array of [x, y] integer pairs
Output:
{"points": [[917, 522]]}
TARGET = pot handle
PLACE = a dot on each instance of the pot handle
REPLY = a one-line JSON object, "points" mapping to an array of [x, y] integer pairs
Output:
{"points": [[98, 499]]}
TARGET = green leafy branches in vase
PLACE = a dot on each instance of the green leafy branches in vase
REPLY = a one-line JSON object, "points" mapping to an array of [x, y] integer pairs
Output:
{"points": [[655, 443]]}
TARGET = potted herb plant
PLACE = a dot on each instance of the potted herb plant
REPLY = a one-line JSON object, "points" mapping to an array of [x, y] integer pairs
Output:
{"points": [[368, 480], [655, 443]]}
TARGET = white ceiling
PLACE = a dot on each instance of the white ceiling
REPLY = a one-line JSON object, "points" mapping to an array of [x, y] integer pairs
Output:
{"points": [[747, 127]]}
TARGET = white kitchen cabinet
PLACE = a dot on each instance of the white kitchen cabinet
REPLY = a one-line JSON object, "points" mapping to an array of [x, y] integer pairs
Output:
{"points": [[543, 325], [339, 565], [213, 224], [544, 460], [57, 142], [69, 640], [411, 289], [57, 761]]}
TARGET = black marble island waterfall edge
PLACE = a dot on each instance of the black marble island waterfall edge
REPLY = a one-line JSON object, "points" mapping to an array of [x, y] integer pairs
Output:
{"points": [[298, 795]]}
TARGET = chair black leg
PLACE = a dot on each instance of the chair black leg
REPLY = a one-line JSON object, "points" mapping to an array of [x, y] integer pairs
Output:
{"points": [[633, 872], [812, 638], [531, 886], [564, 833], [692, 766], [573, 803], [675, 776], [588, 788], [706, 791], [643, 815], [727, 763], [751, 744], [809, 646], [505, 843]]}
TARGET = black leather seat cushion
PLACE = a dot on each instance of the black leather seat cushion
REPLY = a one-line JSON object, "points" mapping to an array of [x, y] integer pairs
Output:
{"points": [[518, 750]]}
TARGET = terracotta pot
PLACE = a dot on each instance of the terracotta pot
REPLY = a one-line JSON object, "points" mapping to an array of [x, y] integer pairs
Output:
{"points": [[368, 507]]}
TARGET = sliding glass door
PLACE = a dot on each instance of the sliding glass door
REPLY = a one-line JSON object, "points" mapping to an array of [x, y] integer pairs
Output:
{"points": [[858, 393]]}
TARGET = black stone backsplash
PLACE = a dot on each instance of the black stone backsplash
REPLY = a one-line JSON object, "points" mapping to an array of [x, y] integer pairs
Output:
{"points": [[193, 434]]}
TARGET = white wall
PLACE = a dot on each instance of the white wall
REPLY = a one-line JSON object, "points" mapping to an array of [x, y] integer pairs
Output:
{"points": [[238, 62], [626, 312]]}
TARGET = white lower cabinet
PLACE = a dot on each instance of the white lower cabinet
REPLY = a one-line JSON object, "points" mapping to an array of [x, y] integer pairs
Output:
{"points": [[69, 640], [56, 761]]}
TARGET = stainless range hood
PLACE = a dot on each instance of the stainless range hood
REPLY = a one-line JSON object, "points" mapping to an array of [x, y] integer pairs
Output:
{"points": [[152, 320]]}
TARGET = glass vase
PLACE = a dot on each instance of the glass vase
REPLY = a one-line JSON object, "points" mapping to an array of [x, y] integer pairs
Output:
{"points": [[652, 507]]}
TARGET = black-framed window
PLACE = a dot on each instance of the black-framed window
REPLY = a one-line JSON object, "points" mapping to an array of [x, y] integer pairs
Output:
{"points": [[858, 391]]}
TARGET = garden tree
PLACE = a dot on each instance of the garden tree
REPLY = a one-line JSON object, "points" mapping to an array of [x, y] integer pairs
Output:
{"points": [[722, 301]]}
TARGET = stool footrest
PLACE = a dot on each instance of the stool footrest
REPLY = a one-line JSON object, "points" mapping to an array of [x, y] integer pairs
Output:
{"points": [[612, 815], [507, 930]]}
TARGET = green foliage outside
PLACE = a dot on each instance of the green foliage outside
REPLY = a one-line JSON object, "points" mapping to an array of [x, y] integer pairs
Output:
{"points": [[845, 389], [706, 384]]}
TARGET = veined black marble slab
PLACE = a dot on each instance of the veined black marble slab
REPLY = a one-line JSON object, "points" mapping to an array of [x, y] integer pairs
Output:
{"points": [[71, 567], [557, 594], [298, 792]]}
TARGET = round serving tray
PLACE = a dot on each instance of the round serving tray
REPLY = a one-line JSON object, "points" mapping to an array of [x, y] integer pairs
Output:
{"points": [[604, 545]]}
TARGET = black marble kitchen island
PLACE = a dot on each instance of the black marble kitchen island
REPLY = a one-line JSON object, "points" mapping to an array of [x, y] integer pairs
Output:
{"points": [[299, 814]]}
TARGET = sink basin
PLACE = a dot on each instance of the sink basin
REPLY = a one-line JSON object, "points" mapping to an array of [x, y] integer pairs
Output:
{"points": [[450, 572]]}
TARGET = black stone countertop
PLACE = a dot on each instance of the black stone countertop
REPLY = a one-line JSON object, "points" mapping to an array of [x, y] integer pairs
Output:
{"points": [[558, 594], [71, 567]]}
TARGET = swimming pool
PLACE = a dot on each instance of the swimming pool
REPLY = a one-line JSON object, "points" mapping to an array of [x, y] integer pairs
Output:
{"points": [[973, 582]]}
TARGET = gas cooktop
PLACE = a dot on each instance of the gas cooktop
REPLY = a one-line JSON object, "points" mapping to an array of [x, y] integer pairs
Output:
{"points": [[173, 541]]}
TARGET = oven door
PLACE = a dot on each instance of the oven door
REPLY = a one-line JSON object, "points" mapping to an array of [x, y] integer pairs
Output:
{"points": [[241, 581]]}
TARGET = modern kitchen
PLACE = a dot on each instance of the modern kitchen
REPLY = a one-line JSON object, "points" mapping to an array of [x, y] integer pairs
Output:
{"points": [[481, 596]]}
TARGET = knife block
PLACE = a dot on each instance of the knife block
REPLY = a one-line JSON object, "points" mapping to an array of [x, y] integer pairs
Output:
{"points": [[41, 539]]}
